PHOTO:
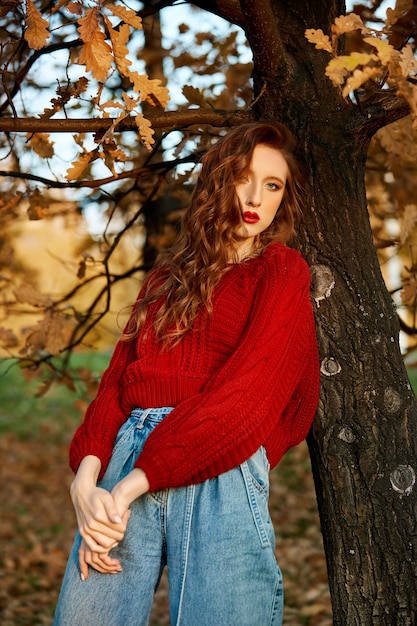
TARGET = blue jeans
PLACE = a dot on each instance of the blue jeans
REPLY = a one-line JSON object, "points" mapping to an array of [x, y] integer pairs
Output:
{"points": [[216, 539]]}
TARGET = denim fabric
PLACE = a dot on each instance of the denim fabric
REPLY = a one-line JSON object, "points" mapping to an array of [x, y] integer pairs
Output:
{"points": [[215, 537]]}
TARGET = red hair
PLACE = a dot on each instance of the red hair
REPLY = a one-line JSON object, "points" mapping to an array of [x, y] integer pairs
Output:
{"points": [[191, 269]]}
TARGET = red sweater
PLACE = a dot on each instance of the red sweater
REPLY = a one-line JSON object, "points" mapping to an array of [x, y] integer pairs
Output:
{"points": [[246, 376]]}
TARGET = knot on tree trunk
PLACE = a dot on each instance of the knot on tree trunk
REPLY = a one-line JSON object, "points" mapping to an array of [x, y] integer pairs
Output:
{"points": [[322, 282]]}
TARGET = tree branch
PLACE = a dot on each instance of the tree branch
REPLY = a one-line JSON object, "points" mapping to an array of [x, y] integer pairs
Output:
{"points": [[162, 168], [229, 10], [170, 120], [260, 26], [381, 109]]}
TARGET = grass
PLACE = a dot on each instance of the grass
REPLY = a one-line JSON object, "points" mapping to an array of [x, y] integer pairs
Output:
{"points": [[54, 413]]}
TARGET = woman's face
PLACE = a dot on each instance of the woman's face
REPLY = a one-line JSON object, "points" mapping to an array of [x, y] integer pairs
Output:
{"points": [[260, 192]]}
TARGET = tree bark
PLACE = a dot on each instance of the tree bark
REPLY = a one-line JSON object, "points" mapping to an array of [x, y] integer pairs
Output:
{"points": [[364, 441]]}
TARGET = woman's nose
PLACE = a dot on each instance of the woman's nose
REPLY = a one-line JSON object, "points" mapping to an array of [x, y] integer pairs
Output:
{"points": [[254, 196]]}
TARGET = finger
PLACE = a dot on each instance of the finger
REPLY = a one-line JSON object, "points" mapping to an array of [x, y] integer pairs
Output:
{"points": [[82, 562], [102, 563], [102, 535], [101, 545]]}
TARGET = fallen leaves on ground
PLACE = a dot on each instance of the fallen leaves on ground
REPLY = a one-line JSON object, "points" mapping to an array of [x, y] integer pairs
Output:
{"points": [[37, 525]]}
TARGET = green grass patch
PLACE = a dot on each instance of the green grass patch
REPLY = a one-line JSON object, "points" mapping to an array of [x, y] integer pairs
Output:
{"points": [[51, 415]]}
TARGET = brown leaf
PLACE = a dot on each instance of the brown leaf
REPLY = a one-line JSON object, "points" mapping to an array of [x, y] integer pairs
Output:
{"points": [[28, 294], [8, 5], [401, 8], [151, 90], [127, 15], [340, 67], [384, 49], [37, 205], [120, 51], [407, 222], [88, 24], [36, 33], [145, 131], [358, 78], [79, 166], [7, 338], [76, 8], [58, 331], [347, 23], [194, 95], [320, 40], [39, 142], [96, 55], [409, 292]]}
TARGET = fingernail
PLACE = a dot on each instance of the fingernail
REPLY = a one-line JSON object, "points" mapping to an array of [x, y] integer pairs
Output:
{"points": [[117, 519], [82, 577]]}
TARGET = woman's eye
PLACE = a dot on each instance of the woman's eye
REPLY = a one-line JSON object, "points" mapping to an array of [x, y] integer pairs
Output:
{"points": [[272, 186]]}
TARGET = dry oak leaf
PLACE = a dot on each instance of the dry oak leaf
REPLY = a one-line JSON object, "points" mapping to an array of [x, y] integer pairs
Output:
{"points": [[407, 63], [347, 23], [320, 40], [145, 131], [39, 142], [401, 8], [50, 333], [407, 222], [126, 15], [37, 205], [151, 90], [358, 78], [7, 338], [409, 292], [342, 66], [409, 92], [119, 39], [88, 24], [27, 294], [385, 50], [76, 8], [193, 95], [96, 56], [58, 331], [8, 5], [79, 166], [36, 33]]}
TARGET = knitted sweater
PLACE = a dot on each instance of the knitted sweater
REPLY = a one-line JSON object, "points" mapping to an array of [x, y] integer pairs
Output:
{"points": [[246, 375]]}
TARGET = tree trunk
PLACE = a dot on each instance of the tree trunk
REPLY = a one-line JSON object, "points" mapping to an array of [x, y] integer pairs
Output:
{"points": [[364, 442]]}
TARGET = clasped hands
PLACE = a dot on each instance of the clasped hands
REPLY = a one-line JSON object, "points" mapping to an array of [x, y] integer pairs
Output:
{"points": [[102, 516]]}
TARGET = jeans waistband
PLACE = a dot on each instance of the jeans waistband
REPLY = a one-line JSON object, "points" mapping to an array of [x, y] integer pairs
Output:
{"points": [[153, 414]]}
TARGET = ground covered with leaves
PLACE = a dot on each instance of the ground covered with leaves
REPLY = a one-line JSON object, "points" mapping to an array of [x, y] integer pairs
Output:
{"points": [[37, 522]]}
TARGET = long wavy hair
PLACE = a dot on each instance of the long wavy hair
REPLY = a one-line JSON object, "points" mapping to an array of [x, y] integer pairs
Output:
{"points": [[189, 271]]}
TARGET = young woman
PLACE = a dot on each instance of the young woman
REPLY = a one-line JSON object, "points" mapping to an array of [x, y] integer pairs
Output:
{"points": [[214, 379]]}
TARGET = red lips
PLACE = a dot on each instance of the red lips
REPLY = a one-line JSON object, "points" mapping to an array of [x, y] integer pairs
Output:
{"points": [[250, 218]]}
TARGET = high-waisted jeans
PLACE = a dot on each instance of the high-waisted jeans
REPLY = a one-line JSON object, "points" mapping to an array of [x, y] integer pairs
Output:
{"points": [[216, 539]]}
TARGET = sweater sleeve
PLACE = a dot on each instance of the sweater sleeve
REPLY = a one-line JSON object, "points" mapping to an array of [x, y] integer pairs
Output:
{"points": [[104, 416], [253, 394]]}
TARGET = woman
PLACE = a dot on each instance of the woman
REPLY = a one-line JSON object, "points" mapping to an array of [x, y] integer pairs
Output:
{"points": [[214, 379]]}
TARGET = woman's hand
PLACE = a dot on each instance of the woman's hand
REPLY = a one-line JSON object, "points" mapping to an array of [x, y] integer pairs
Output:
{"points": [[99, 521], [100, 561], [102, 516], [134, 485]]}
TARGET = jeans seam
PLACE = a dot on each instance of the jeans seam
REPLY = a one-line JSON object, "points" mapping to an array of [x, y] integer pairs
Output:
{"points": [[190, 511], [247, 479]]}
